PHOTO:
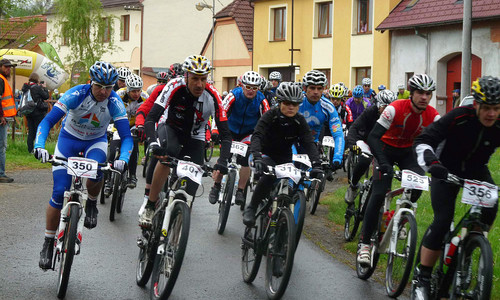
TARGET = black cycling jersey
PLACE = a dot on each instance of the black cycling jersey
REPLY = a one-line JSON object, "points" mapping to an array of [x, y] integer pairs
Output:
{"points": [[467, 146], [275, 134], [360, 129]]}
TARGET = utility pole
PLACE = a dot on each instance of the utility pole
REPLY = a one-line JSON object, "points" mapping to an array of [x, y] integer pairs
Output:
{"points": [[466, 49]]}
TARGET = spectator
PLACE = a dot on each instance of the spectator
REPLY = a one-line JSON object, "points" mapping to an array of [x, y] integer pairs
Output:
{"points": [[402, 92], [39, 94], [7, 113], [456, 97], [56, 95], [362, 26]]}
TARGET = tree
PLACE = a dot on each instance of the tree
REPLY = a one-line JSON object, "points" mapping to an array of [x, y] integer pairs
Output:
{"points": [[83, 26]]}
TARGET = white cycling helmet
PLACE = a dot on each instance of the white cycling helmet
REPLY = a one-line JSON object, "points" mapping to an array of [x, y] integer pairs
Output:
{"points": [[275, 75], [123, 73], [251, 78], [385, 97], [421, 82], [314, 77], [56, 91], [366, 81], [133, 82], [401, 86]]}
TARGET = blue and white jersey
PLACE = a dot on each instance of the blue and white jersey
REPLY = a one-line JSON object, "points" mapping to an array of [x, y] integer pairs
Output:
{"points": [[317, 115], [87, 119]]}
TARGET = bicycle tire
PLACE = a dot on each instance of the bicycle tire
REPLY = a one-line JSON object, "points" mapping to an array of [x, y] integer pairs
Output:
{"points": [[478, 276], [145, 261], [245, 193], [225, 204], [299, 215], [366, 272], [353, 216], [178, 233], [119, 204], [250, 257], [283, 243], [102, 197], [117, 189], [68, 249], [209, 150], [397, 278], [146, 164], [313, 197]]}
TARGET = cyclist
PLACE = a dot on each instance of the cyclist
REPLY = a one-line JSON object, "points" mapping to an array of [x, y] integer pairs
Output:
{"points": [[368, 92], [359, 131], [381, 88], [275, 79], [161, 77], [336, 93], [467, 137], [185, 105], [272, 141], [123, 73], [403, 93], [357, 103], [391, 142], [132, 96], [88, 108], [317, 111], [244, 107]]}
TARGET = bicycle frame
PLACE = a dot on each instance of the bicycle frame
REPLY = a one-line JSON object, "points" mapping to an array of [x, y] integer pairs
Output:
{"points": [[232, 167]]}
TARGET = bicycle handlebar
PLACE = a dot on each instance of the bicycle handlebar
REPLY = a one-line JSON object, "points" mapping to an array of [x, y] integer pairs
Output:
{"points": [[105, 167]]}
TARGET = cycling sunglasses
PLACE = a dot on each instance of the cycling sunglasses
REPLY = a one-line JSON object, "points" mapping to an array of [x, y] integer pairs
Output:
{"points": [[103, 87], [251, 87]]}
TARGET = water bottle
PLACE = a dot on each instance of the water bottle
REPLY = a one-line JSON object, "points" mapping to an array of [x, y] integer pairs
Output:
{"points": [[383, 224], [451, 249]]}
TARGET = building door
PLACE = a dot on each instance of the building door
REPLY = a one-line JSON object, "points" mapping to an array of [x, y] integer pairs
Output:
{"points": [[454, 76]]}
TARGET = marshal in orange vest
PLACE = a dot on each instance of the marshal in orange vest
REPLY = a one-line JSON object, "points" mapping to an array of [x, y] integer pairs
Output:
{"points": [[8, 103]]}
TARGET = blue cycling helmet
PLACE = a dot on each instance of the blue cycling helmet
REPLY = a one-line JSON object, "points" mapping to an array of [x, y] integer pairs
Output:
{"points": [[357, 92], [381, 87], [103, 73]]}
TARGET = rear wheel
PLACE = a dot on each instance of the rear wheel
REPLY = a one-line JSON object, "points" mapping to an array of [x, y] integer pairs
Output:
{"points": [[474, 274], [168, 265], [209, 150], [399, 264], [366, 272], [68, 249], [280, 255], [225, 204]]}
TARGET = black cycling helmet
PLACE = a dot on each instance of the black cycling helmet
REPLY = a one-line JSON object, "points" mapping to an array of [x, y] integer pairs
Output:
{"points": [[288, 91], [486, 90], [421, 82], [176, 70]]}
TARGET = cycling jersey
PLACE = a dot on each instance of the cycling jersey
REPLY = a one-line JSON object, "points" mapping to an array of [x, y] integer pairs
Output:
{"points": [[275, 134], [357, 109], [345, 114], [271, 96], [243, 113], [370, 95], [130, 104], [317, 115], [189, 115], [146, 106], [151, 88], [360, 129], [403, 124]]}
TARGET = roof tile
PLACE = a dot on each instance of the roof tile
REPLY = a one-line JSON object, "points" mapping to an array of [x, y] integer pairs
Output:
{"points": [[25, 37], [242, 12]]}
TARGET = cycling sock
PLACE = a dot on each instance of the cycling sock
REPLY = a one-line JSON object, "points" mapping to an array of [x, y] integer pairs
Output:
{"points": [[217, 184], [146, 192], [240, 190], [151, 204], [425, 271], [50, 233]]}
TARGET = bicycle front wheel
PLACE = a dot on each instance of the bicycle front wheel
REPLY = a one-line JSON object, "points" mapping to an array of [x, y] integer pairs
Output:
{"points": [[209, 150], [225, 204], [102, 197], [119, 204], [299, 214], [68, 249], [280, 255], [353, 216], [250, 257], [399, 264], [117, 190], [168, 265], [366, 272], [474, 274], [314, 196]]}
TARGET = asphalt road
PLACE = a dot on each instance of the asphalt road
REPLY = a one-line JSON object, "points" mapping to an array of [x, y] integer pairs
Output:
{"points": [[105, 268]]}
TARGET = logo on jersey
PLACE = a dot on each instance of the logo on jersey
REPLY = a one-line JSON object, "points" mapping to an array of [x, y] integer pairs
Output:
{"points": [[90, 118], [386, 114]]}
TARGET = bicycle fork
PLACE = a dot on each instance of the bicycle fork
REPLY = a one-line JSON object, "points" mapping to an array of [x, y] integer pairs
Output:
{"points": [[64, 220], [391, 235], [166, 219]]}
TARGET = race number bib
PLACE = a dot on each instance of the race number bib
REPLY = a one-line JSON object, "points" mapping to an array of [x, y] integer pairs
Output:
{"points": [[414, 181], [328, 141], [302, 158], [82, 167], [479, 193], [189, 170], [287, 171], [239, 148]]}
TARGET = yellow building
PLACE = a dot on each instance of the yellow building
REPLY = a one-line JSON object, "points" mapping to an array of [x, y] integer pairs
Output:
{"points": [[335, 37]]}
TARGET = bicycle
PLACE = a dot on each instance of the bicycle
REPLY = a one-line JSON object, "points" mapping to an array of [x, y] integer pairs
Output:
{"points": [[467, 271], [274, 233], [316, 187], [162, 247], [354, 214], [229, 185], [396, 236], [69, 232]]}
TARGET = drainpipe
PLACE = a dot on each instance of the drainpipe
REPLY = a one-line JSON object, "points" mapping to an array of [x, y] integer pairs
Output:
{"points": [[142, 36], [466, 49], [291, 54]]}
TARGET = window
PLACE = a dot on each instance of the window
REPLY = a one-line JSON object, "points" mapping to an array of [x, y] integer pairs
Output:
{"points": [[408, 75], [362, 73], [327, 73], [363, 19], [65, 38], [125, 27], [324, 19], [279, 28], [106, 35]]}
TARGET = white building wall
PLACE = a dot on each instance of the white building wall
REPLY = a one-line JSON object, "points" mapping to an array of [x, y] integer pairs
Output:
{"points": [[408, 54]]}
